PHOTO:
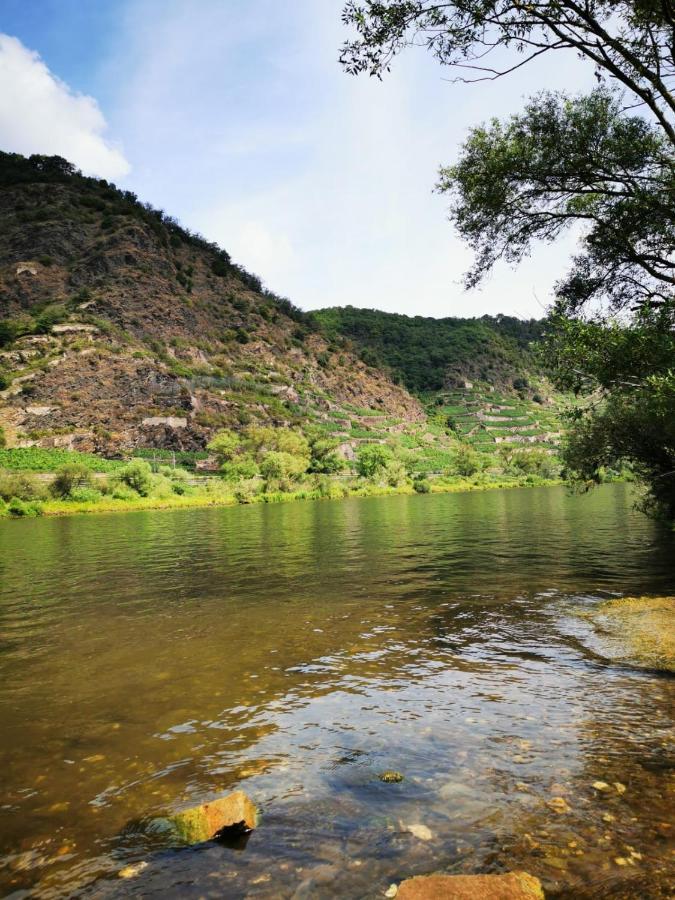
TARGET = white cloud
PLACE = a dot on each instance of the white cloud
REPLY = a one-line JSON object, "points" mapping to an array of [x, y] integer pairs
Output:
{"points": [[41, 114]]}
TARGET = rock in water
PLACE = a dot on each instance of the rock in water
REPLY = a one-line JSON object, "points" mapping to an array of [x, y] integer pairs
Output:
{"points": [[512, 886], [235, 811]]}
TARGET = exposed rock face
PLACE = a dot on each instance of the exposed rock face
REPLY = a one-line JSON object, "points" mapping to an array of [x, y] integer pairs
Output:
{"points": [[512, 886], [150, 333], [203, 823]]}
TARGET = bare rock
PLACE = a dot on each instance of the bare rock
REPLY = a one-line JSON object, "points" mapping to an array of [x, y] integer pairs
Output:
{"points": [[512, 886]]}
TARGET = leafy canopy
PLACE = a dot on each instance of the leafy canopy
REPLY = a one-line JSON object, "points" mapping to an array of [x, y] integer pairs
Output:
{"points": [[604, 162]]}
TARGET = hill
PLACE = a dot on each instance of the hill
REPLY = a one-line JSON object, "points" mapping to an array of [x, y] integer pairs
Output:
{"points": [[427, 354], [124, 334], [119, 329], [479, 377]]}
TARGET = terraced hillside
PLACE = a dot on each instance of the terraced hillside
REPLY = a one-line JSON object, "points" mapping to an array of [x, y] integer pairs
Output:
{"points": [[491, 421]]}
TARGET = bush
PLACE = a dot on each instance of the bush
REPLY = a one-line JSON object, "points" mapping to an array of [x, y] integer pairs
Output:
{"points": [[71, 477], [85, 495], [136, 475], [422, 486], [123, 492], [225, 445], [21, 508], [3, 438], [277, 465], [20, 486], [245, 491], [466, 462]]}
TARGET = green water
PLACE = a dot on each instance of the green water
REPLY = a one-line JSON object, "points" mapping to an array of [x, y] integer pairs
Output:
{"points": [[150, 661]]}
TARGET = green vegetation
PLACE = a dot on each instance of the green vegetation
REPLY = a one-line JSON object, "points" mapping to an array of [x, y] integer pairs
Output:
{"points": [[424, 353], [258, 465], [602, 162], [37, 459]]}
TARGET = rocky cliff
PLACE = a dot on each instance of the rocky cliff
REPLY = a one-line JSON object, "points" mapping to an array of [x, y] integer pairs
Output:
{"points": [[120, 329]]}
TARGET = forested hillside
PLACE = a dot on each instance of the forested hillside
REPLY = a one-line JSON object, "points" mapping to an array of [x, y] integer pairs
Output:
{"points": [[428, 354]]}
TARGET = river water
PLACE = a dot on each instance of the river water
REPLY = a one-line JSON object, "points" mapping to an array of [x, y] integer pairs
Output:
{"points": [[150, 661]]}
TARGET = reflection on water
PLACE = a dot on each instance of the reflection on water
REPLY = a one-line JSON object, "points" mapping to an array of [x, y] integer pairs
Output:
{"points": [[155, 660]]}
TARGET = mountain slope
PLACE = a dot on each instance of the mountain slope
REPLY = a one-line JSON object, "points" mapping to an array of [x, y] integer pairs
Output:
{"points": [[120, 329], [480, 378], [429, 354]]}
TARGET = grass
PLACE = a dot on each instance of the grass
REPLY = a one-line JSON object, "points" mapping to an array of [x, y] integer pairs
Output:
{"points": [[357, 488]]}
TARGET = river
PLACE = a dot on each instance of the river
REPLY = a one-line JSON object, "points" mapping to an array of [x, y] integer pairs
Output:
{"points": [[153, 660]]}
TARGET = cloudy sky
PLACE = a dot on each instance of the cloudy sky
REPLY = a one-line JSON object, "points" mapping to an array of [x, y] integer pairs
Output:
{"points": [[234, 116]]}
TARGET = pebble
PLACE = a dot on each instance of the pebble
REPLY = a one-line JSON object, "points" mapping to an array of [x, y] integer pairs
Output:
{"points": [[559, 805], [620, 788], [132, 871], [601, 786], [608, 817], [391, 891], [420, 831]]}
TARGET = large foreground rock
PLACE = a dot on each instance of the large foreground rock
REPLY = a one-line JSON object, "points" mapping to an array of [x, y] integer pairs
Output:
{"points": [[512, 886], [236, 812]]}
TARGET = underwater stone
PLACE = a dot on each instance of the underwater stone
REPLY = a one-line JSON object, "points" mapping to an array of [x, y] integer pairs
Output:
{"points": [[512, 886]]}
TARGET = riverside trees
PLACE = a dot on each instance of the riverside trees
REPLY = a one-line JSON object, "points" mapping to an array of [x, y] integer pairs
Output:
{"points": [[603, 162]]}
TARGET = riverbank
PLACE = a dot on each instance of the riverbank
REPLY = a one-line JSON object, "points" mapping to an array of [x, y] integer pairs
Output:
{"points": [[222, 494]]}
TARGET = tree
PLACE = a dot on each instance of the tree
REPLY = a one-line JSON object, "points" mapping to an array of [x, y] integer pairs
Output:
{"points": [[225, 445], [372, 460], [277, 465], [602, 162], [466, 462]]}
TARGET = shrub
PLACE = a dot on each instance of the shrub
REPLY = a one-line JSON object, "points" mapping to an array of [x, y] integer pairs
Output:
{"points": [[466, 462], [245, 491], [5, 382], [85, 495], [225, 445], [422, 486], [3, 438], [69, 478], [20, 486], [20, 508], [137, 475], [123, 492]]}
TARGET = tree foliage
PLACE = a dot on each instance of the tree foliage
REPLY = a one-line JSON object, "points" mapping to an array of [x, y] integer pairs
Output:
{"points": [[603, 162]]}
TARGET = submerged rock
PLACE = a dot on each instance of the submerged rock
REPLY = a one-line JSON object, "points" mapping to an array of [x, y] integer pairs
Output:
{"points": [[638, 629], [559, 805], [390, 777], [421, 832], [512, 886], [234, 813]]}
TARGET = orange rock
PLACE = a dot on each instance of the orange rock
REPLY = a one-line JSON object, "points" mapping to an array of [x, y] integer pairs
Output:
{"points": [[512, 886]]}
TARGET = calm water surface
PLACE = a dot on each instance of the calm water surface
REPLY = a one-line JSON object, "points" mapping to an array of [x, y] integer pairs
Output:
{"points": [[151, 661]]}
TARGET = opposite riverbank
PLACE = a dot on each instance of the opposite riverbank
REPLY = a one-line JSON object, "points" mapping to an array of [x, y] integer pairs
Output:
{"points": [[220, 493]]}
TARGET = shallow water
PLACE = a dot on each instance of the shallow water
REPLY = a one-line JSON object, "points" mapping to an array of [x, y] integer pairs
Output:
{"points": [[150, 661]]}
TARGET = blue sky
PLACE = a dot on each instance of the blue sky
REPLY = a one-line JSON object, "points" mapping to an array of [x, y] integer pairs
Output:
{"points": [[234, 116]]}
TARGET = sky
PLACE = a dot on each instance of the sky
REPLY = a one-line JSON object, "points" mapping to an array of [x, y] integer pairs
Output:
{"points": [[235, 117]]}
